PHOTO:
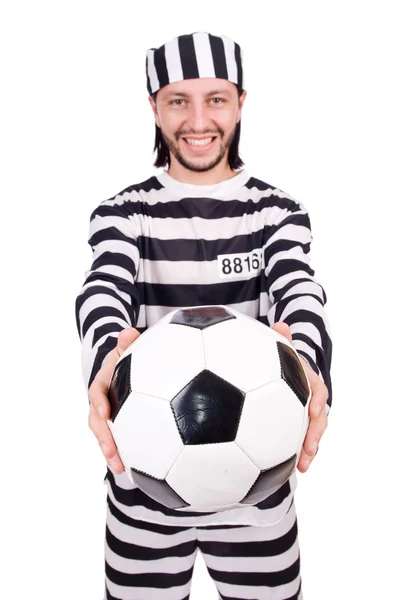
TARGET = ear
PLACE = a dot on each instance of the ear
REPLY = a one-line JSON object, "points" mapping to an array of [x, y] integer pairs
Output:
{"points": [[155, 112]]}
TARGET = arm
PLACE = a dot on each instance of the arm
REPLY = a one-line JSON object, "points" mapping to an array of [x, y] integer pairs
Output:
{"points": [[108, 301], [295, 295]]}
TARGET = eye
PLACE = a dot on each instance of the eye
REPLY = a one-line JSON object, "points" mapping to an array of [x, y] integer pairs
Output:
{"points": [[177, 100], [220, 100]]}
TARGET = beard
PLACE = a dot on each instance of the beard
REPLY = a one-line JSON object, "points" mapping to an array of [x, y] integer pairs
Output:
{"points": [[205, 164]]}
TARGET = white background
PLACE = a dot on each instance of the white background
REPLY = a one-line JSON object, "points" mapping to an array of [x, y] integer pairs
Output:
{"points": [[76, 128]]}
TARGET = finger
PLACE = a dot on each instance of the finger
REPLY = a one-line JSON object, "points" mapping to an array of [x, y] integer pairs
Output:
{"points": [[105, 440], [98, 398], [314, 434], [126, 338], [319, 392], [283, 329], [318, 401], [111, 358], [98, 392], [101, 430], [304, 462], [106, 371], [315, 381]]}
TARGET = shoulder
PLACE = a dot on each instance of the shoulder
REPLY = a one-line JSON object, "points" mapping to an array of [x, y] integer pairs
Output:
{"points": [[276, 196], [148, 185], [127, 201]]}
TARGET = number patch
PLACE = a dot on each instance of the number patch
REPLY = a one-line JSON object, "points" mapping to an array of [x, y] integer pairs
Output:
{"points": [[240, 266]]}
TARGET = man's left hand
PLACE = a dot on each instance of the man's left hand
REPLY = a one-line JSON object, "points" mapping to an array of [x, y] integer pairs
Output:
{"points": [[317, 408]]}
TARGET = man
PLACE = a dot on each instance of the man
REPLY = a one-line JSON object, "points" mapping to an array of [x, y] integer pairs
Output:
{"points": [[180, 239]]}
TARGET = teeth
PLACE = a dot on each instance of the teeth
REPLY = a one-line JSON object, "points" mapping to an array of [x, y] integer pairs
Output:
{"points": [[199, 142]]}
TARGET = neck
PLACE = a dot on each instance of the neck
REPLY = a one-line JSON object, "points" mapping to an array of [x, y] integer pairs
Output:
{"points": [[220, 173]]}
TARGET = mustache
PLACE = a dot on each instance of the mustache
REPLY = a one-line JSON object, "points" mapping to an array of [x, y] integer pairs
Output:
{"points": [[180, 134]]}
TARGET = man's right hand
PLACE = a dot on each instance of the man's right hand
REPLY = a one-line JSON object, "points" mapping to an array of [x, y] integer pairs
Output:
{"points": [[99, 403]]}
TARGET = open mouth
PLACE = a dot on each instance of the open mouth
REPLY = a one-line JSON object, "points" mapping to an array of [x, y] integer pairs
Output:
{"points": [[199, 145]]}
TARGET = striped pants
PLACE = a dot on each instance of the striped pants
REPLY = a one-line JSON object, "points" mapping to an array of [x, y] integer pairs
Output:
{"points": [[147, 561]]}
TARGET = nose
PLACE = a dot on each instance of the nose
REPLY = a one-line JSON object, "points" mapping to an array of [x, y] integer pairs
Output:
{"points": [[198, 120]]}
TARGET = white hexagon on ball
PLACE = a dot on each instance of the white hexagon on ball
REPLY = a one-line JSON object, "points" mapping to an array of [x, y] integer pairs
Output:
{"points": [[164, 368], [212, 475], [271, 424], [243, 352], [147, 437]]}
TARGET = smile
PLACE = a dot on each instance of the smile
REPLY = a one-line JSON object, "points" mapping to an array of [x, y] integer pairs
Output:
{"points": [[198, 145]]}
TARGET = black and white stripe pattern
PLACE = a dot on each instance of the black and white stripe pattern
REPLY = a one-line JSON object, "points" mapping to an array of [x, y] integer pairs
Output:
{"points": [[158, 246], [151, 561], [197, 55]]}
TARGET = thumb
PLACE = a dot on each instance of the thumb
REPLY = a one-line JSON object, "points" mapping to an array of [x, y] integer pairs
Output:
{"points": [[283, 329], [125, 339]]}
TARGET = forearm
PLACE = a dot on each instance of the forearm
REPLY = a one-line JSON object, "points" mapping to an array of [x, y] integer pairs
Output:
{"points": [[306, 317], [296, 297], [100, 317], [108, 301]]}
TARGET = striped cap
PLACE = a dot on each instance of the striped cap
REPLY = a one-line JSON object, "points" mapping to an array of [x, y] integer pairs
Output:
{"points": [[193, 56]]}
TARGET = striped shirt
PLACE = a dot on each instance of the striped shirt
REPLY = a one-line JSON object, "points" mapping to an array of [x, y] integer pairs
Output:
{"points": [[163, 244]]}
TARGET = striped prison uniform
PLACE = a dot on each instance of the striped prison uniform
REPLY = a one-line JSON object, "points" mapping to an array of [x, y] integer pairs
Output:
{"points": [[163, 244]]}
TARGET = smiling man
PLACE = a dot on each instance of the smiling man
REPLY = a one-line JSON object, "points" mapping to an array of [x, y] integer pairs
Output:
{"points": [[201, 232], [215, 111]]}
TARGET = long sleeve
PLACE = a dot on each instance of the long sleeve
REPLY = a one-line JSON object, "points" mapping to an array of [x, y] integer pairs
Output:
{"points": [[108, 301], [295, 295]]}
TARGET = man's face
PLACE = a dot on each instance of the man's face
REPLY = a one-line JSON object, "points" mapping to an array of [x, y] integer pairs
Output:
{"points": [[198, 119]]}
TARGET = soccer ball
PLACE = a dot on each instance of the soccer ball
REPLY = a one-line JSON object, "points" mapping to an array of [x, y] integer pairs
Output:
{"points": [[209, 409]]}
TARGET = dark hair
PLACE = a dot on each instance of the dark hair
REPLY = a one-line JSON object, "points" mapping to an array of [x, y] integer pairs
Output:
{"points": [[163, 155]]}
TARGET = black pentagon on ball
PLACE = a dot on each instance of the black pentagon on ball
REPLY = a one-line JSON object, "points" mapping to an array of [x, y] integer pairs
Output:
{"points": [[158, 489], [208, 410], [293, 373], [269, 478], [120, 386], [201, 317]]}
